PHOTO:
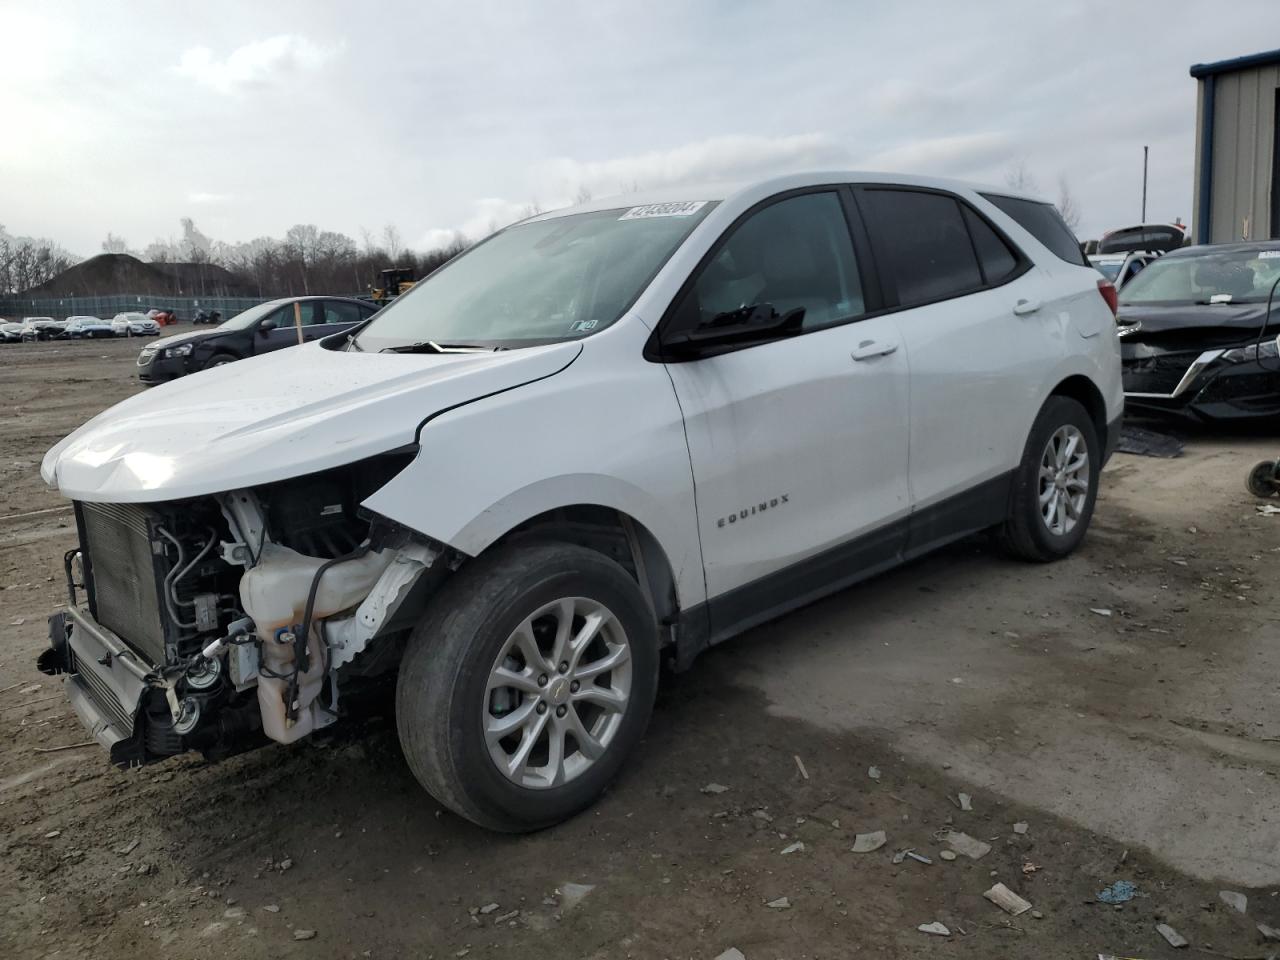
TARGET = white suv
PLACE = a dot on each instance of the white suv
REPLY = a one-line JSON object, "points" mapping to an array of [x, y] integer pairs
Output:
{"points": [[603, 437]]}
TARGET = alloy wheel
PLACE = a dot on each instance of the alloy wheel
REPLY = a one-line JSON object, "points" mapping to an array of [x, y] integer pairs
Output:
{"points": [[1064, 479], [557, 693]]}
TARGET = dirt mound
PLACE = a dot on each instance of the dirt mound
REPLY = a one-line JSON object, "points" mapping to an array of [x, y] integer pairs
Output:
{"points": [[116, 273]]}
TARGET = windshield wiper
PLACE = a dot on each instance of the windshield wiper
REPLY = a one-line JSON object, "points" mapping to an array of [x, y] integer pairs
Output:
{"points": [[353, 342], [430, 346]]}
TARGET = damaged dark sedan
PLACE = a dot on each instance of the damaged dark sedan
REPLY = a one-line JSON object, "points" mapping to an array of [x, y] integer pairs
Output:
{"points": [[1200, 335]]}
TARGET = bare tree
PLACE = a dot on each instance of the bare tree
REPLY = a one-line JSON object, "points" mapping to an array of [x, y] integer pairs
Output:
{"points": [[391, 240], [1067, 206], [114, 244], [582, 196], [1020, 177]]}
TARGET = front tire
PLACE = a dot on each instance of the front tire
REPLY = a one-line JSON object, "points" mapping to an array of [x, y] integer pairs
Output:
{"points": [[527, 683], [218, 360], [1056, 484]]}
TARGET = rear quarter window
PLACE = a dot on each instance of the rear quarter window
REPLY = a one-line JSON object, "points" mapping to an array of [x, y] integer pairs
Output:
{"points": [[1044, 223]]}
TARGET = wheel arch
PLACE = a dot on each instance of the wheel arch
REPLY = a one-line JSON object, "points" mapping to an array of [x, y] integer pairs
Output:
{"points": [[1085, 392], [615, 534]]}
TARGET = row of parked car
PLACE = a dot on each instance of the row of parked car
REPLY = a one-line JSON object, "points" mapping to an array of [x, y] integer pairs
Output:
{"points": [[79, 328]]}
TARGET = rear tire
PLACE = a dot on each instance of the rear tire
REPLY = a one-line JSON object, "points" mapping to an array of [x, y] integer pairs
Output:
{"points": [[491, 674], [1054, 489]]}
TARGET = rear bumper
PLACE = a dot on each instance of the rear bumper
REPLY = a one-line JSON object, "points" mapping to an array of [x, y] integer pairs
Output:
{"points": [[106, 682]]}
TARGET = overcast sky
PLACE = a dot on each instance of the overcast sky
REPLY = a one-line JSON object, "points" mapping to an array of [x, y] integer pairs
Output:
{"points": [[250, 117]]}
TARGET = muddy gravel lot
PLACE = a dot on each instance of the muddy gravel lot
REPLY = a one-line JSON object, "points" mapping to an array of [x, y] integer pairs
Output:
{"points": [[1109, 718]]}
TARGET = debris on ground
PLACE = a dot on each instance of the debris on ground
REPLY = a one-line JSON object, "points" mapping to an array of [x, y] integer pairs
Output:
{"points": [[873, 773], [53, 833], [1236, 901], [128, 848], [1101, 611], [797, 847], [899, 856], [1268, 509], [935, 928], [1122, 891], [572, 894], [966, 845], [733, 953], [919, 859], [1148, 443], [947, 854], [17, 621], [804, 774], [1174, 938], [964, 802], [867, 842], [782, 903], [713, 788], [506, 917], [31, 689], [1028, 868], [1007, 900], [304, 934], [1269, 933], [488, 908], [271, 907], [1020, 828]]}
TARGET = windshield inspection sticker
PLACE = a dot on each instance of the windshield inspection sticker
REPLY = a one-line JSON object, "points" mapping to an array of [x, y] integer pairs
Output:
{"points": [[686, 209]]}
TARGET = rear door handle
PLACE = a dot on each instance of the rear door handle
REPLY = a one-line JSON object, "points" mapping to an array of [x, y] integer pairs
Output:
{"points": [[869, 349], [1024, 307]]}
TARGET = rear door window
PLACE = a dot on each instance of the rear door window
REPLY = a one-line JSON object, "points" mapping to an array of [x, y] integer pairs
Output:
{"points": [[339, 311], [921, 242], [1043, 222]]}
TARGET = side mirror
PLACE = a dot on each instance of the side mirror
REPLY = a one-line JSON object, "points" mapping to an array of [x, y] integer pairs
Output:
{"points": [[264, 330], [757, 321]]}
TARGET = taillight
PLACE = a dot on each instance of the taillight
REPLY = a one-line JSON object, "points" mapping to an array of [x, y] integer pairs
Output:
{"points": [[1108, 291]]}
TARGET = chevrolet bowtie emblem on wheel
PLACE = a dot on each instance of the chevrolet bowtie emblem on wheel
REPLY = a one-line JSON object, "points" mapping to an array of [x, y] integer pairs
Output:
{"points": [[771, 504]]}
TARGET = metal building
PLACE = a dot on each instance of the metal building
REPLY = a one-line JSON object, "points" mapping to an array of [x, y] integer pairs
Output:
{"points": [[1237, 185]]}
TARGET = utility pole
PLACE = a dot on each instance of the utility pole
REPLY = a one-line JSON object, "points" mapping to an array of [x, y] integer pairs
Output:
{"points": [[1144, 185]]}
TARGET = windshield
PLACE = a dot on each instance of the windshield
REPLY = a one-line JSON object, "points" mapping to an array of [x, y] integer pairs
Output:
{"points": [[1109, 268], [245, 320], [539, 282], [1230, 276]]}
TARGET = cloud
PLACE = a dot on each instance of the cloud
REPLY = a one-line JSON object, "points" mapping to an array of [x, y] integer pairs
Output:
{"points": [[208, 199], [253, 65], [489, 214], [734, 157], [954, 156]]}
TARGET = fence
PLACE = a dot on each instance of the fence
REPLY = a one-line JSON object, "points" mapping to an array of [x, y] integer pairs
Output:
{"points": [[15, 308]]}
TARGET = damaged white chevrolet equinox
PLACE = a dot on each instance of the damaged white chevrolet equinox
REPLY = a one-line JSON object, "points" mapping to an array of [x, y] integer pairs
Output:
{"points": [[604, 437]]}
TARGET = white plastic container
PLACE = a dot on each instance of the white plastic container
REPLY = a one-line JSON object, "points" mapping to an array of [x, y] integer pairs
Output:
{"points": [[274, 594]]}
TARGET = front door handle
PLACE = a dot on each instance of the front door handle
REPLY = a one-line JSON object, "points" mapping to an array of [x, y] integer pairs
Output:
{"points": [[868, 349], [1024, 307]]}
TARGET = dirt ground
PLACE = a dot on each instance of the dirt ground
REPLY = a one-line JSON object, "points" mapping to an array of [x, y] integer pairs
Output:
{"points": [[1122, 704]]}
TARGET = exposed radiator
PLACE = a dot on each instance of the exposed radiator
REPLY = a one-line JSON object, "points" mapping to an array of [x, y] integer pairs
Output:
{"points": [[126, 574]]}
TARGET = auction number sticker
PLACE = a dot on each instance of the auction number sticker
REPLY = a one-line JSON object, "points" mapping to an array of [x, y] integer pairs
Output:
{"points": [[686, 208], [1269, 254]]}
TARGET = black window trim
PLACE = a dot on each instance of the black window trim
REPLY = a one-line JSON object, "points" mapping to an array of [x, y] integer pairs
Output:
{"points": [[987, 195], [889, 285], [868, 276]]}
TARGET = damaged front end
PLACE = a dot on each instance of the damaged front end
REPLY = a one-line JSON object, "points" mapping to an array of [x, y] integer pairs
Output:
{"points": [[217, 623]]}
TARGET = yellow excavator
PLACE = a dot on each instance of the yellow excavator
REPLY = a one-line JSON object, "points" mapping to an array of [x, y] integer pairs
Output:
{"points": [[395, 281]]}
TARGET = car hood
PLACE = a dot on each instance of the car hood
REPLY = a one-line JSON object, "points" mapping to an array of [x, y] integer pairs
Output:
{"points": [[1224, 317], [277, 416], [189, 337]]}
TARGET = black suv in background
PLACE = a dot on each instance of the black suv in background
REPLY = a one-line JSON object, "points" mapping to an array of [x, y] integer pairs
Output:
{"points": [[261, 329]]}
